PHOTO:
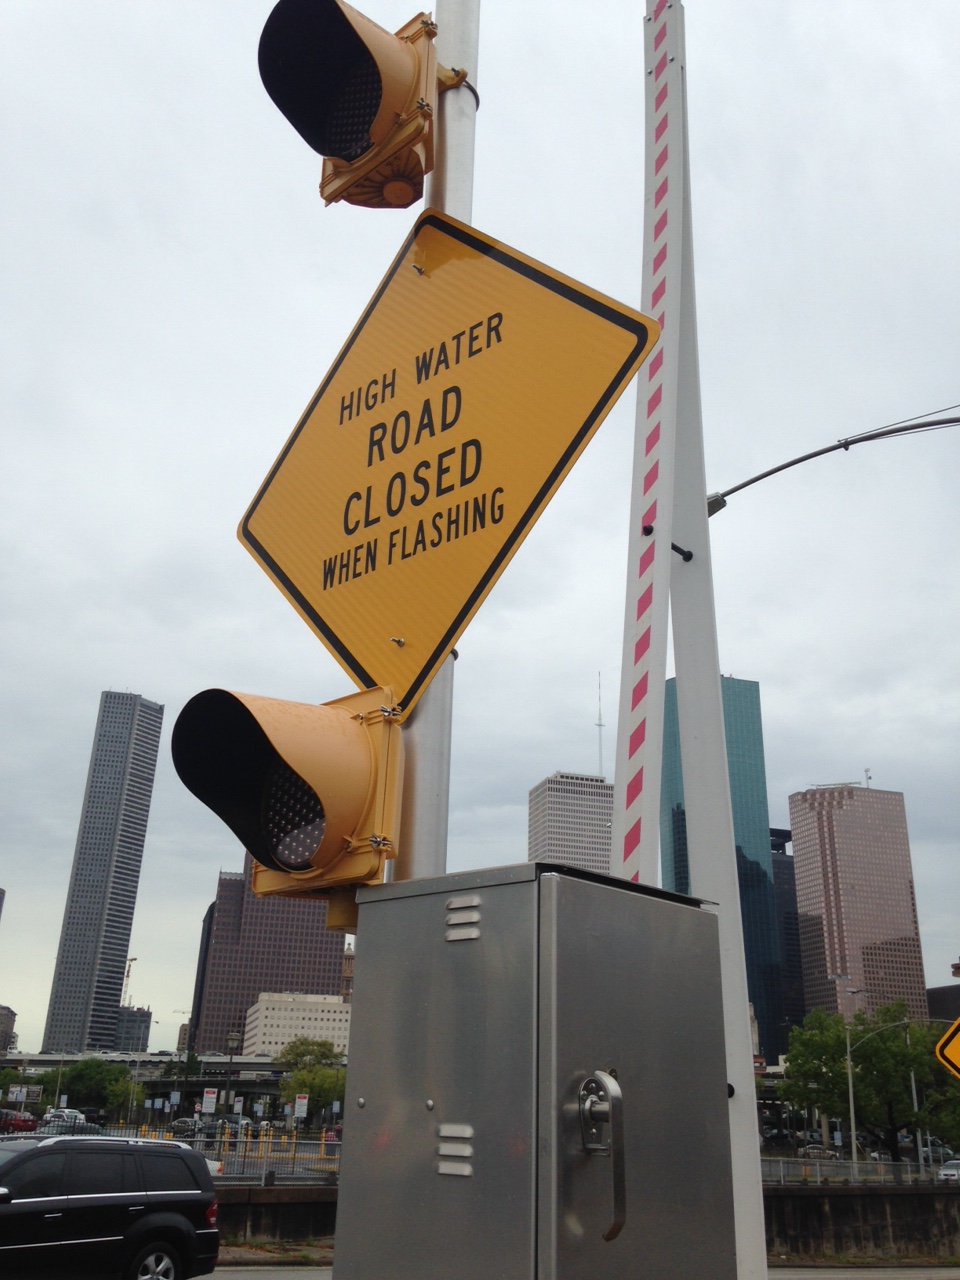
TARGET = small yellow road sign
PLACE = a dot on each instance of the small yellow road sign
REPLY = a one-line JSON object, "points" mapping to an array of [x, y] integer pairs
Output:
{"points": [[468, 388], [948, 1049]]}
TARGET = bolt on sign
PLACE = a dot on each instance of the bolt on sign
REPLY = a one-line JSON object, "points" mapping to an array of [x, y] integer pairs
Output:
{"points": [[948, 1049], [469, 387]]}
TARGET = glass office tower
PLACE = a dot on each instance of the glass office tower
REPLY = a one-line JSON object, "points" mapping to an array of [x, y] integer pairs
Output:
{"points": [[751, 829]]}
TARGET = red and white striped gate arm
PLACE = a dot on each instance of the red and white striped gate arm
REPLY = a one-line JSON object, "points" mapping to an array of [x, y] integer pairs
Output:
{"points": [[636, 817]]}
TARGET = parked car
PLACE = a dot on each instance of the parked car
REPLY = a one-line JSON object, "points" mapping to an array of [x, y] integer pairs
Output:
{"points": [[949, 1172], [124, 1208], [67, 1126], [187, 1126], [17, 1121], [939, 1151], [815, 1151], [63, 1113]]}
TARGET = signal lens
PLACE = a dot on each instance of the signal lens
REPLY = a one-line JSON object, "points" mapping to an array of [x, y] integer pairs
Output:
{"points": [[347, 127], [293, 818]]}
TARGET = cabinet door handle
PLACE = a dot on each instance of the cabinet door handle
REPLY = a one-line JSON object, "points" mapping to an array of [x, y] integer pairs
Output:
{"points": [[601, 1104]]}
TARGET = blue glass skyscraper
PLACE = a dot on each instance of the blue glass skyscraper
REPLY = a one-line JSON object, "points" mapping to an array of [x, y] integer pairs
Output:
{"points": [[751, 830]]}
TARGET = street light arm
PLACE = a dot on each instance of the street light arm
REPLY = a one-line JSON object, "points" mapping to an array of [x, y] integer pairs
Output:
{"points": [[904, 1022], [717, 501]]}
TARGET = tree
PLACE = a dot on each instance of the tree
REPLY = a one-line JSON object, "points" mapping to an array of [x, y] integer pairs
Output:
{"points": [[8, 1076], [885, 1048], [91, 1082], [312, 1067], [304, 1052]]}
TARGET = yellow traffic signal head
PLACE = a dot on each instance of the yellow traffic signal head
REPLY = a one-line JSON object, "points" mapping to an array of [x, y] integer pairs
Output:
{"points": [[313, 792], [358, 95]]}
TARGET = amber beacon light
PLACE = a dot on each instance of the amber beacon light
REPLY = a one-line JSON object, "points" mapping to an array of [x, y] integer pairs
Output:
{"points": [[362, 97], [313, 792]]}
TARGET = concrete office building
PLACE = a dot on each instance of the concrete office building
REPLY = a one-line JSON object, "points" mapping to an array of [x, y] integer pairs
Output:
{"points": [[346, 987], [855, 897], [944, 1003], [280, 1016], [751, 829], [133, 1029], [8, 1035], [95, 937], [569, 821], [249, 945]]}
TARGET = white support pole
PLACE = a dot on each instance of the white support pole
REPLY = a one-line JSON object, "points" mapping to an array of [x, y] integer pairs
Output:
{"points": [[425, 805], [426, 788], [450, 185], [669, 515], [711, 850]]}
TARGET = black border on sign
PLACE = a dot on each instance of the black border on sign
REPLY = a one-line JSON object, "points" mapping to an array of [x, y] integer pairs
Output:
{"points": [[537, 274], [949, 1038]]}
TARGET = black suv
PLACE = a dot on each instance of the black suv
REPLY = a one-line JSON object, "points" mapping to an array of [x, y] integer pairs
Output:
{"points": [[111, 1207]]}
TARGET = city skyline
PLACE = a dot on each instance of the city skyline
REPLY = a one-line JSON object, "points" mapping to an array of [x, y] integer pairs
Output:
{"points": [[176, 291], [88, 980]]}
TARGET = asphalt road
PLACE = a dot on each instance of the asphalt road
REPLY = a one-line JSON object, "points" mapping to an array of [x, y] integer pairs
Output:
{"points": [[274, 1273], [882, 1273], [776, 1273]]}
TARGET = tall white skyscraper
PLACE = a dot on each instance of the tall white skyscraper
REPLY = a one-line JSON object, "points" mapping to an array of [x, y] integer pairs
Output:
{"points": [[95, 937], [569, 820]]}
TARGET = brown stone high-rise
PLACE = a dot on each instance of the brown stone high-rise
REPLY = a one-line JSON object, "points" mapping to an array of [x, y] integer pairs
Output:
{"points": [[252, 944], [855, 899]]}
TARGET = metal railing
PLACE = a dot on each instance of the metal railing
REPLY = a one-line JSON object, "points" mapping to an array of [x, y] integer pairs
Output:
{"points": [[274, 1160], [802, 1170], [267, 1157], [259, 1157]]}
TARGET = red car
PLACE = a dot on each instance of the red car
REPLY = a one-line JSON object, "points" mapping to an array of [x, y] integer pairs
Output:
{"points": [[17, 1122]]}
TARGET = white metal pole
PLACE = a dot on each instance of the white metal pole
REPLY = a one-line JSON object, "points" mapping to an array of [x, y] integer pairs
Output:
{"points": [[669, 515], [913, 1095], [450, 185], [711, 850], [428, 731], [853, 1116]]}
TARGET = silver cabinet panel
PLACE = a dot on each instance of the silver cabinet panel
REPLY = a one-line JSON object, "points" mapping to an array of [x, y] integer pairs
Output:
{"points": [[482, 1003], [442, 1014], [630, 984]]}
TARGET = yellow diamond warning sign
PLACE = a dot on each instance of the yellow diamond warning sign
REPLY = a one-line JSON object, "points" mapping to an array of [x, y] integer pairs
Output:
{"points": [[948, 1049], [468, 388]]}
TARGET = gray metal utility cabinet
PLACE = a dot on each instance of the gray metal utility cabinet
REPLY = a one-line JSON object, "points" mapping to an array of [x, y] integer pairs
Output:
{"points": [[536, 1088]]}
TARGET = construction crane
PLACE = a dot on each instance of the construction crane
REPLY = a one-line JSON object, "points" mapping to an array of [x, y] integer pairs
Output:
{"points": [[131, 960]]}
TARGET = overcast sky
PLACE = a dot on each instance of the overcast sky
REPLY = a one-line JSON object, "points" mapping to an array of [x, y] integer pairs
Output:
{"points": [[174, 291]]}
